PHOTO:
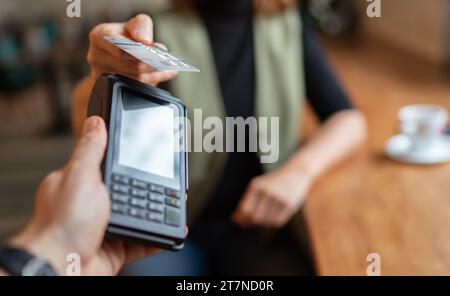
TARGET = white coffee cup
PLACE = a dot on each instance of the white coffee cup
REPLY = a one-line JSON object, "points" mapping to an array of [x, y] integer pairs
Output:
{"points": [[423, 124]]}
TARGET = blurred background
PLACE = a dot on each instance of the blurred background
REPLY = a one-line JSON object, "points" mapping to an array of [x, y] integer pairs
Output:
{"points": [[401, 58], [42, 56]]}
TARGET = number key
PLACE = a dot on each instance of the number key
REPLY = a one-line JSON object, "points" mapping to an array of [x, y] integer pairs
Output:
{"points": [[138, 193], [119, 188], [156, 188], [155, 217], [137, 213], [138, 203], [119, 208], [156, 197], [119, 198], [138, 184], [120, 179], [156, 207]]}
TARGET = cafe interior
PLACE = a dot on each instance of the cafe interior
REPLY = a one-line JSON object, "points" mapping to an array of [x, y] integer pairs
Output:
{"points": [[386, 202]]}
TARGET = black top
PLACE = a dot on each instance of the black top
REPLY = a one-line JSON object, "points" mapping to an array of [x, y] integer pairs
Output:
{"points": [[230, 30]]}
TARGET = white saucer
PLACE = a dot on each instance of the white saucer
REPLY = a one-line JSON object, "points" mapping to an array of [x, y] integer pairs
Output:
{"points": [[399, 148]]}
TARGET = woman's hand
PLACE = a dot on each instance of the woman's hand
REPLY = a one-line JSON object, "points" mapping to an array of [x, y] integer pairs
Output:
{"points": [[104, 57], [72, 212], [272, 199]]}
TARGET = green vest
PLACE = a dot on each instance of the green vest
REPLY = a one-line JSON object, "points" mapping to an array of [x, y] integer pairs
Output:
{"points": [[279, 90]]}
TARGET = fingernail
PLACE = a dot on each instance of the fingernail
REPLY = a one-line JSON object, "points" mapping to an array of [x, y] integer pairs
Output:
{"points": [[90, 124]]}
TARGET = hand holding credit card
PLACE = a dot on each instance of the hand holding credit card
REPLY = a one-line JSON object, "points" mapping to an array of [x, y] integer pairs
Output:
{"points": [[152, 55]]}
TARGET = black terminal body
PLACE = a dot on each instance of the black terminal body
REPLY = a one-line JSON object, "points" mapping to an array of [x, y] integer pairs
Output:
{"points": [[145, 164]]}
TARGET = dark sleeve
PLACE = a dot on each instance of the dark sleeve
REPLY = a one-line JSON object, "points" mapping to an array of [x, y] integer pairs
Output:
{"points": [[323, 91]]}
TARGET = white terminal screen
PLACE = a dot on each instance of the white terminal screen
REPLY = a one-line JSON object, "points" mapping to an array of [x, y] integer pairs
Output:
{"points": [[147, 140]]}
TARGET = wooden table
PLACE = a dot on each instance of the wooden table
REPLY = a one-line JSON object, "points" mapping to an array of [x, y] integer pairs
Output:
{"points": [[370, 203]]}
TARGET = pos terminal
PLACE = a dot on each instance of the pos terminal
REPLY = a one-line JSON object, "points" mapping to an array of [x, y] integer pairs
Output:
{"points": [[145, 164]]}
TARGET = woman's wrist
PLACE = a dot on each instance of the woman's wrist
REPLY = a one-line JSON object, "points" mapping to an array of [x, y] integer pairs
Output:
{"points": [[300, 168]]}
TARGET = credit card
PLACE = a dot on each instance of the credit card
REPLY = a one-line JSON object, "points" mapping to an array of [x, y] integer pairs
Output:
{"points": [[152, 55]]}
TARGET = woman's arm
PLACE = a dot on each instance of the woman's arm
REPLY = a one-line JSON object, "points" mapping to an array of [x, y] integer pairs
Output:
{"points": [[343, 127], [338, 137], [272, 199]]}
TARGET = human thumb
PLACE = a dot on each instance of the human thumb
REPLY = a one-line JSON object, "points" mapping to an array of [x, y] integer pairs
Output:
{"points": [[90, 149], [140, 28]]}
